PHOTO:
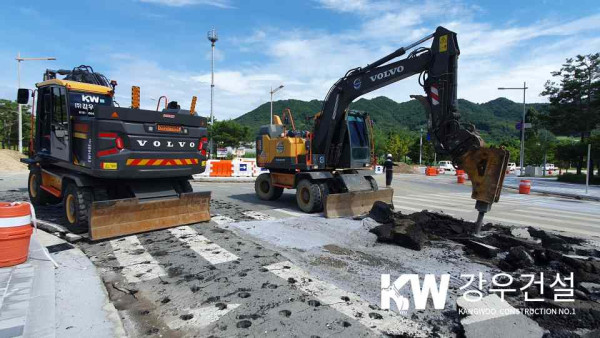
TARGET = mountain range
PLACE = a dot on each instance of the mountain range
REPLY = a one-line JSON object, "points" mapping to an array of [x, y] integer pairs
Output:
{"points": [[495, 119]]}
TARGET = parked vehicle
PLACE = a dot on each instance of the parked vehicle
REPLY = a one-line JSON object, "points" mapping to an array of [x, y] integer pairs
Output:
{"points": [[512, 166]]}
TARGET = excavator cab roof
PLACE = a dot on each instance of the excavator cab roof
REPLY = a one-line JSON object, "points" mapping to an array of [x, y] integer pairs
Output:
{"points": [[78, 86]]}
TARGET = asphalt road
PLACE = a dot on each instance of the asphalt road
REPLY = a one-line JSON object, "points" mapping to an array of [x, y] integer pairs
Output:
{"points": [[264, 268]]}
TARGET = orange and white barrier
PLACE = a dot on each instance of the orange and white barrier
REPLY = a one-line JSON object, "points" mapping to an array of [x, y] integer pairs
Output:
{"points": [[431, 171], [242, 167], [15, 233]]}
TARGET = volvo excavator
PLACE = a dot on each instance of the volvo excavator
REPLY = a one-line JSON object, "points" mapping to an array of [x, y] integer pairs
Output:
{"points": [[116, 170], [331, 166]]}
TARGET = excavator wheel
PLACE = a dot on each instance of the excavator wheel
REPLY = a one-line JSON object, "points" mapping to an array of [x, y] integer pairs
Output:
{"points": [[77, 203], [308, 196], [372, 182], [324, 192], [37, 195], [265, 189]]}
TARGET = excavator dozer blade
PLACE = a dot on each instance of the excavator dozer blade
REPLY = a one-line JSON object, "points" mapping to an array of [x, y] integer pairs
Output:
{"points": [[115, 218], [355, 203]]}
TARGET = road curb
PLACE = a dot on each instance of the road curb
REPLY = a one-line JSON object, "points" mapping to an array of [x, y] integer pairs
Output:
{"points": [[560, 194]]}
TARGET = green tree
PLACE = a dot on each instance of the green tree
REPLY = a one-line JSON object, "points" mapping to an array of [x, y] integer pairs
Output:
{"points": [[229, 133], [9, 123], [398, 144], [428, 154], [574, 98]]}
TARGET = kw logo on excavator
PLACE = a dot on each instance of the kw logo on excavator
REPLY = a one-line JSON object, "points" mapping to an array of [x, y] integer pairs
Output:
{"points": [[387, 73], [90, 98]]}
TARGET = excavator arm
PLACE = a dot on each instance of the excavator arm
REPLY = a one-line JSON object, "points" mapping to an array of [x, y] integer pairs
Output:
{"points": [[437, 69]]}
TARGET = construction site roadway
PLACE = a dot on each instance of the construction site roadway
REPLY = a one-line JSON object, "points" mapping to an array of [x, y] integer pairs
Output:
{"points": [[266, 269]]}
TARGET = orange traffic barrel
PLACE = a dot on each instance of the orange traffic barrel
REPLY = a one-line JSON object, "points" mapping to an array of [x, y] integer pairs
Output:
{"points": [[460, 179], [431, 171], [459, 172], [15, 232], [525, 187]]}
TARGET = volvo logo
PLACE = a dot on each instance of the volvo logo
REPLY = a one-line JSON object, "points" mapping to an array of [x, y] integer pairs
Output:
{"points": [[387, 73], [357, 83], [168, 144]]}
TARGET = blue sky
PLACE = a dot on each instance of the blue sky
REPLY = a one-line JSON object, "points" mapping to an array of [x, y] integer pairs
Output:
{"points": [[161, 45]]}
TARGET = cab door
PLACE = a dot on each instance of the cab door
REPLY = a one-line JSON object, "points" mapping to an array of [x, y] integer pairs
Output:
{"points": [[59, 124]]}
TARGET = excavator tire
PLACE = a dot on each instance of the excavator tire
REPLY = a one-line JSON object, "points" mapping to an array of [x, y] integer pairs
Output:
{"points": [[373, 183], [37, 195], [77, 203], [324, 192], [265, 190], [308, 196]]}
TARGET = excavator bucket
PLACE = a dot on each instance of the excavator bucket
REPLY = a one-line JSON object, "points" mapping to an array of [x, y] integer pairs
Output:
{"points": [[115, 218], [355, 203]]}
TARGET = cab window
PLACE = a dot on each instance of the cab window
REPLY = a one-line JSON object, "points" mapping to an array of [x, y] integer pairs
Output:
{"points": [[59, 102]]}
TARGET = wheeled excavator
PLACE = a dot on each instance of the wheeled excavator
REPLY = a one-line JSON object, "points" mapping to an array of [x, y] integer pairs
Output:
{"points": [[331, 166], [116, 170]]}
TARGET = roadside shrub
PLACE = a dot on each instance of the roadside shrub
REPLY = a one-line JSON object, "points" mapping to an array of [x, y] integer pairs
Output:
{"points": [[580, 179]]}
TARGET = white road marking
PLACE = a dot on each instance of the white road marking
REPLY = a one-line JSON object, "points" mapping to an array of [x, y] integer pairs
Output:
{"points": [[204, 247], [257, 215], [138, 265], [222, 219], [203, 317], [330, 295], [539, 225], [429, 206], [296, 213], [560, 211], [553, 214]]}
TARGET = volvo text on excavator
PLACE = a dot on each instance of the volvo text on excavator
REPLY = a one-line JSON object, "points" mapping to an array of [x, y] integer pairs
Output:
{"points": [[331, 166]]}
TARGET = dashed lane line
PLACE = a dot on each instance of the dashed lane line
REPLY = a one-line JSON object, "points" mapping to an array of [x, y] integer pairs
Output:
{"points": [[204, 247], [138, 265], [390, 323]]}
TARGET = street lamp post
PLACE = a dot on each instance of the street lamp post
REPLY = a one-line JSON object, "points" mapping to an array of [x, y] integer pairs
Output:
{"points": [[19, 59], [421, 146], [273, 91], [522, 153], [212, 37]]}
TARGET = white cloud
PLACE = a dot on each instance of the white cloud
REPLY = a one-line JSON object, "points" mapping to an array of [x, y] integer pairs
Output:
{"points": [[180, 3]]}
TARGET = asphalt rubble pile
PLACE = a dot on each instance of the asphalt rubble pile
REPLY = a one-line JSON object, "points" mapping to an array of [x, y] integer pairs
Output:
{"points": [[528, 252]]}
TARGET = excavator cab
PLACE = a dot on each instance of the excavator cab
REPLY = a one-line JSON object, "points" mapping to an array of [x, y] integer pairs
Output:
{"points": [[357, 152]]}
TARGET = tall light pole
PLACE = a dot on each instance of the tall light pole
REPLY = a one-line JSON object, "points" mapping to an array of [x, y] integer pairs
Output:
{"points": [[421, 146], [212, 37], [273, 91], [19, 59], [522, 153]]}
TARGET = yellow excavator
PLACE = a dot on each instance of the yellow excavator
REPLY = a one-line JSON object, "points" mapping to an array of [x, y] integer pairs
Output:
{"points": [[331, 166], [118, 171]]}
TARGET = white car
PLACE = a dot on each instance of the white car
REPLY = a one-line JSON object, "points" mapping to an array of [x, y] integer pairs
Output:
{"points": [[446, 165], [512, 166]]}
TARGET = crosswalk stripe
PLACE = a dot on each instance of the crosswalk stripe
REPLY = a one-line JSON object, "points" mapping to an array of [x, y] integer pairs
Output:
{"points": [[204, 247], [296, 213], [428, 202], [222, 219], [257, 215], [576, 213], [138, 265], [203, 317], [538, 225], [432, 206], [549, 213], [391, 323]]}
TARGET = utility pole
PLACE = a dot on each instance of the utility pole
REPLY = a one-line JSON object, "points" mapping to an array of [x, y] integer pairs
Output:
{"points": [[273, 91], [19, 60], [522, 153], [421, 146], [212, 37]]}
